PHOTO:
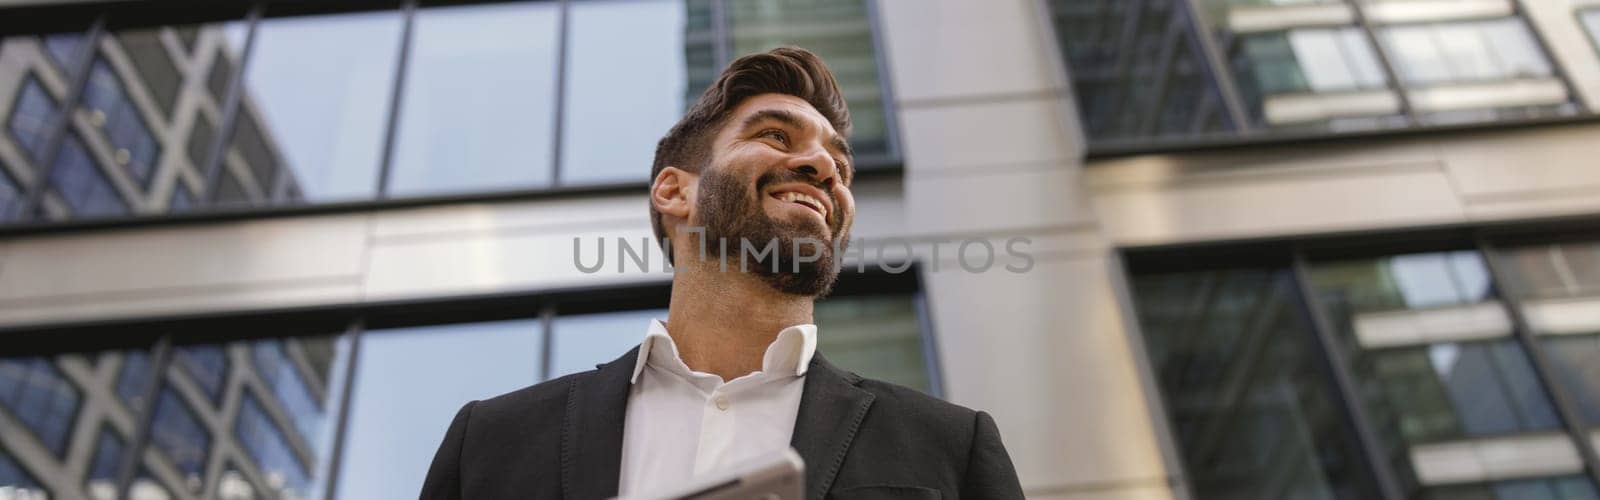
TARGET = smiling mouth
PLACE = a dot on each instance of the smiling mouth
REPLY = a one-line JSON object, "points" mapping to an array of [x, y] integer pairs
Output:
{"points": [[803, 200]]}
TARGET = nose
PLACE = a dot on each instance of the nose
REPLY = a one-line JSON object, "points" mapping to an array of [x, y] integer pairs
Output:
{"points": [[815, 162]]}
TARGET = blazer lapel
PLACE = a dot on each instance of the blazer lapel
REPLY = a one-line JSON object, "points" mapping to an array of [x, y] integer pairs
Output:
{"points": [[591, 439], [831, 409]]}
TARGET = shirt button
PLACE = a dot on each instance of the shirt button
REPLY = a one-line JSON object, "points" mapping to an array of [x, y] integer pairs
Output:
{"points": [[722, 403]]}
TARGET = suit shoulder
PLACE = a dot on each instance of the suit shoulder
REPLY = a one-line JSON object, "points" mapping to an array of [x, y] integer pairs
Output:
{"points": [[902, 400], [529, 400]]}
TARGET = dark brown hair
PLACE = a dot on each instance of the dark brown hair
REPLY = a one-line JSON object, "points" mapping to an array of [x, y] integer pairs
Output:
{"points": [[785, 70]]}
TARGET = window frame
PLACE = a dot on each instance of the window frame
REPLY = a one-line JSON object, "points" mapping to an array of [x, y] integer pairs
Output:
{"points": [[1294, 252], [108, 17]]}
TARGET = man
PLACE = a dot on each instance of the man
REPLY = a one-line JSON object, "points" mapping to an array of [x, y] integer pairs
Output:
{"points": [[733, 373]]}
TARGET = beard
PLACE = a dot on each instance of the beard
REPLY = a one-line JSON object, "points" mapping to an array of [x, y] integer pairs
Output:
{"points": [[735, 214]]}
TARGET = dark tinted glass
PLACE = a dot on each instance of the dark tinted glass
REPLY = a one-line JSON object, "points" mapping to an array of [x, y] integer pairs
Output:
{"points": [[101, 480], [1127, 91], [1245, 387], [837, 30], [479, 105], [1429, 345], [1559, 289], [876, 336]]}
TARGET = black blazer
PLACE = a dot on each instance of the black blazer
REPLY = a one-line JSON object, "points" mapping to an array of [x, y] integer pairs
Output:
{"points": [[860, 438]]}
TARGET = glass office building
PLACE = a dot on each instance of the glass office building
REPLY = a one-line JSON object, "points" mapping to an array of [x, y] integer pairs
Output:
{"points": [[1303, 249]]}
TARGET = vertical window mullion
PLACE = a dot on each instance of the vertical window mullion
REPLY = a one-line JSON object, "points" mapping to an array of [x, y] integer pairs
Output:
{"points": [[160, 359], [563, 39], [1385, 62], [58, 129], [408, 11], [356, 330], [212, 171], [891, 115], [1565, 406], [1217, 67], [1345, 386]]}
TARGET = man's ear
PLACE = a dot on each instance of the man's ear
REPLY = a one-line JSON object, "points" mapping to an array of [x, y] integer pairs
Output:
{"points": [[673, 192]]}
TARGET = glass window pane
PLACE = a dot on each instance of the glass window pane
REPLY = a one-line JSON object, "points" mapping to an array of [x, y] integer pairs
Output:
{"points": [[268, 446], [13, 476], [1465, 52], [585, 340], [177, 431], [11, 197], [30, 118], [1591, 22], [399, 413], [78, 179], [1430, 349], [317, 91], [479, 100], [614, 118], [876, 336], [837, 30], [101, 480], [207, 365], [1238, 367], [1559, 287], [37, 393]]}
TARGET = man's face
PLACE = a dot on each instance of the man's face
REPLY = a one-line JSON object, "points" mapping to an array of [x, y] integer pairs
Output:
{"points": [[778, 172]]}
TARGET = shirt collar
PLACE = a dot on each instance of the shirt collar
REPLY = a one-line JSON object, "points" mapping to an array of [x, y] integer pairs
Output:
{"points": [[790, 352]]}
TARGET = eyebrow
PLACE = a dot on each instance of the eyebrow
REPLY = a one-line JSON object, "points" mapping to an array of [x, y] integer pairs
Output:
{"points": [[787, 118]]}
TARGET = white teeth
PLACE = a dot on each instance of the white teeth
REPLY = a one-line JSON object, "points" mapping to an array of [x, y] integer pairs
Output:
{"points": [[792, 196]]}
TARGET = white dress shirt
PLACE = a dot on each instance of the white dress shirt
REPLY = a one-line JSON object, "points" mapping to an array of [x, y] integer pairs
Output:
{"points": [[682, 424]]}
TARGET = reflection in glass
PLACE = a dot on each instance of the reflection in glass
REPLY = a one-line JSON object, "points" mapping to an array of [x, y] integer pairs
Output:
{"points": [[30, 118], [1238, 368], [319, 88], [38, 394], [11, 197], [584, 340], [1555, 488], [1313, 75], [837, 30], [101, 480], [1443, 53], [176, 431], [479, 100], [280, 373], [133, 378], [877, 337], [115, 114], [207, 365], [1125, 93], [1559, 289], [628, 74], [267, 445], [1429, 346], [19, 481], [81, 184], [410, 383]]}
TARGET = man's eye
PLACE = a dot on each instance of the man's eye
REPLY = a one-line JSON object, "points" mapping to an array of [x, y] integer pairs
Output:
{"points": [[776, 135]]}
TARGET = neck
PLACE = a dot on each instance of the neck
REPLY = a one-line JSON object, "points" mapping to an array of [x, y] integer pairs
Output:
{"points": [[722, 322]]}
